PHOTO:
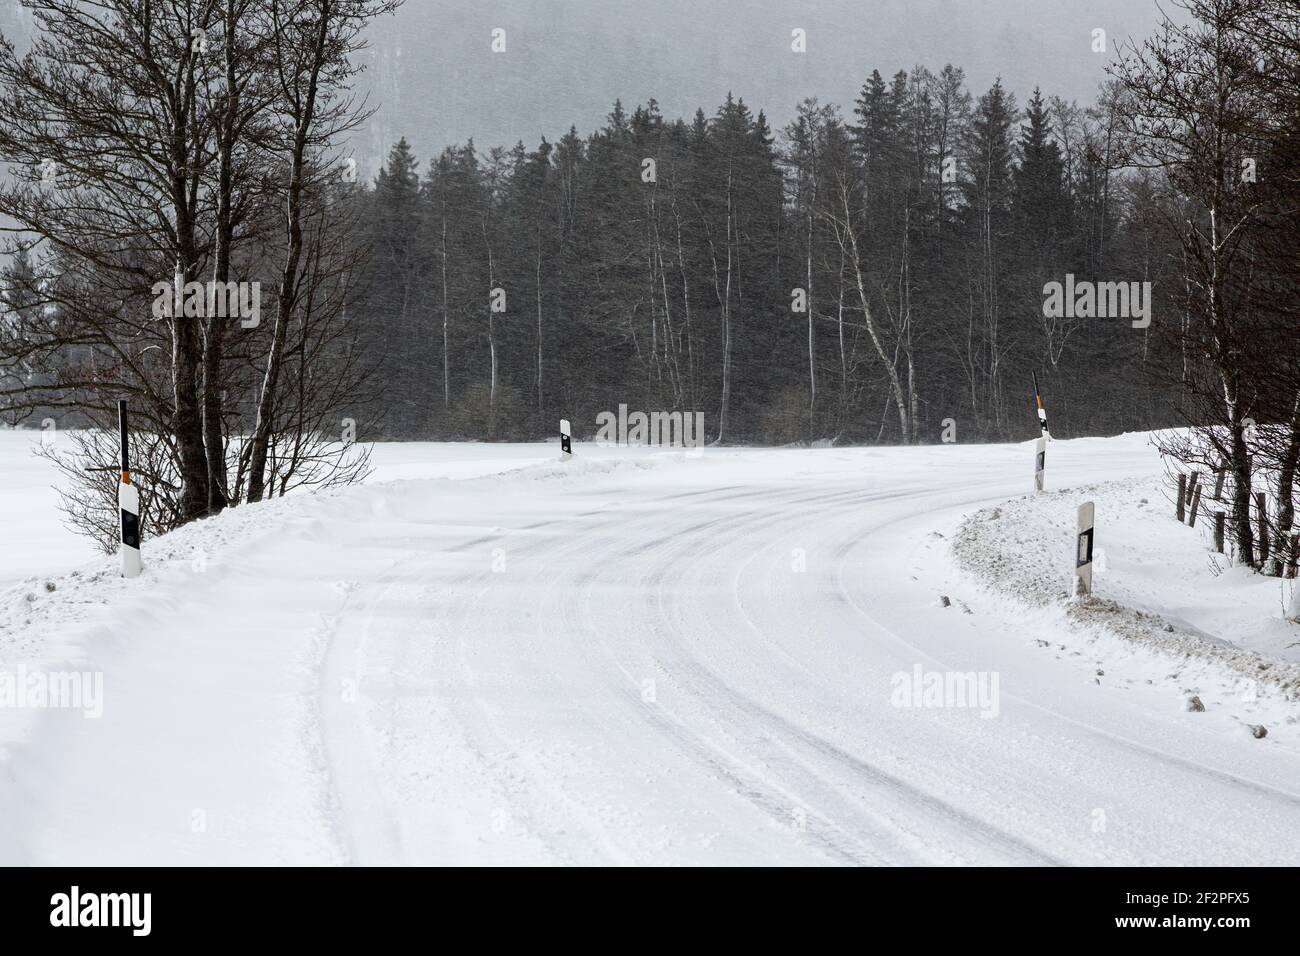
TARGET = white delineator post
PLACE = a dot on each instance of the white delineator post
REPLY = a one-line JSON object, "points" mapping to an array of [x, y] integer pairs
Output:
{"points": [[1040, 463], [128, 503], [566, 440], [1040, 446], [1042, 412], [1083, 551], [1293, 606]]}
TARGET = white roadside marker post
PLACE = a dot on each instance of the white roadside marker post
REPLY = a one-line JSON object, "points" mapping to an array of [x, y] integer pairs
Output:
{"points": [[128, 502], [1042, 412], [1040, 464], [1040, 446], [566, 440], [1083, 551]]}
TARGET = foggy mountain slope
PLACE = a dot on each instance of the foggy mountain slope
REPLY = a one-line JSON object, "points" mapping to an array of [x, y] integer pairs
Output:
{"points": [[433, 77], [15, 22]]}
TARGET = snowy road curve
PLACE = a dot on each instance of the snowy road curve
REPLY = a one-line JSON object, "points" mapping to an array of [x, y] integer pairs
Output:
{"points": [[650, 661]]}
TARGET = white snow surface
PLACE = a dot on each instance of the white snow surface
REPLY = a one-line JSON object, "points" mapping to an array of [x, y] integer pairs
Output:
{"points": [[29, 513], [487, 656]]}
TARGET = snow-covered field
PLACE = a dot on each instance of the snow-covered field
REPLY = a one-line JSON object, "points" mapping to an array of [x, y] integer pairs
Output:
{"points": [[754, 656], [29, 512]]}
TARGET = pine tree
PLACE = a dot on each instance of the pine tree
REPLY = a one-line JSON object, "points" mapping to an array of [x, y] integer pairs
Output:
{"points": [[988, 193], [1043, 222], [395, 275], [1041, 200]]}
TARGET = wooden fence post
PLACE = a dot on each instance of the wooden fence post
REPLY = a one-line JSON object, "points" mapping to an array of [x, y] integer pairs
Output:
{"points": [[1182, 492], [1219, 518], [1196, 506]]}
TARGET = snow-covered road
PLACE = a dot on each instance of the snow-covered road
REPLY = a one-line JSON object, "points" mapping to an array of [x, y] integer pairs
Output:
{"points": [[632, 658]]}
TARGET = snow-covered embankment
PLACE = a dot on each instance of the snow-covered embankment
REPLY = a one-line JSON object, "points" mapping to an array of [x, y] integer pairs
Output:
{"points": [[1165, 607]]}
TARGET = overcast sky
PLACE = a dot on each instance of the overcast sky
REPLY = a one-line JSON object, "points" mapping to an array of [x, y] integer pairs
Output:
{"points": [[435, 79], [433, 76]]}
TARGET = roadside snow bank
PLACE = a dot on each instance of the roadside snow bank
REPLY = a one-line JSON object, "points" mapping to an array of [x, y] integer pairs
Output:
{"points": [[1157, 586], [37, 612], [192, 701]]}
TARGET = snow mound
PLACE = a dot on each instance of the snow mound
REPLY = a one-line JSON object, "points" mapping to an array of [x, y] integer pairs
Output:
{"points": [[1157, 584], [38, 611]]}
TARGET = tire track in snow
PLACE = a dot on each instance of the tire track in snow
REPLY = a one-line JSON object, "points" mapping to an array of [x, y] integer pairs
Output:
{"points": [[712, 687], [615, 696], [369, 824], [756, 755], [776, 797], [778, 792], [370, 832]]}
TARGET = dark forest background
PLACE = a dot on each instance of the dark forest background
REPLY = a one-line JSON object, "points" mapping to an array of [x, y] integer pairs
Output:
{"points": [[921, 222], [872, 272]]}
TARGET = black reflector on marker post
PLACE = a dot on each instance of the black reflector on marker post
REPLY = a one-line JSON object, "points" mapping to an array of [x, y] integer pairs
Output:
{"points": [[566, 440], [1083, 551], [1040, 463], [128, 503]]}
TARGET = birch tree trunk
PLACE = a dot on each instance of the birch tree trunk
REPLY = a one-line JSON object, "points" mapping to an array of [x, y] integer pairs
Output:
{"points": [[846, 231], [303, 111]]}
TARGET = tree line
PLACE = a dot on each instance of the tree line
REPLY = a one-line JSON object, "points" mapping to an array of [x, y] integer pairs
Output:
{"points": [[866, 274], [163, 159], [873, 272], [1211, 105]]}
